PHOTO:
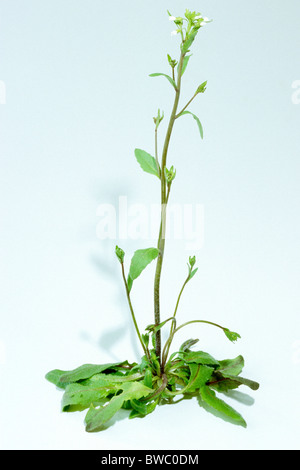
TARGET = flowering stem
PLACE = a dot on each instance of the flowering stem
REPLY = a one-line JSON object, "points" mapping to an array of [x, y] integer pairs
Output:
{"points": [[173, 326], [132, 313], [183, 109], [164, 200], [199, 321], [156, 153]]}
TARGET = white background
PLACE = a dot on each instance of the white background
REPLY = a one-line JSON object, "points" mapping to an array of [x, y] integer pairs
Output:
{"points": [[78, 101]]}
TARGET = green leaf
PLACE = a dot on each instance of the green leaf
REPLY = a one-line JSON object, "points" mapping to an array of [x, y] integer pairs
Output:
{"points": [[139, 262], [185, 63], [148, 378], [146, 161], [97, 418], [209, 397], [197, 121], [232, 366], [192, 273], [200, 374], [141, 409], [189, 40], [242, 381], [154, 328], [188, 344], [78, 396], [167, 77], [61, 378], [199, 357], [231, 335]]}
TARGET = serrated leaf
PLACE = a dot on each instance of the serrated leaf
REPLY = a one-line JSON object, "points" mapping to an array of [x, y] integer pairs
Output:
{"points": [[199, 357], [139, 262], [62, 378], [97, 418], [197, 121], [200, 374], [78, 397], [146, 161], [209, 397], [166, 76], [232, 366]]}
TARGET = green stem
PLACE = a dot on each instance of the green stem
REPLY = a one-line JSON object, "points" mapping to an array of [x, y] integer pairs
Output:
{"points": [[146, 351], [199, 321], [156, 153], [183, 109], [173, 326], [161, 240]]}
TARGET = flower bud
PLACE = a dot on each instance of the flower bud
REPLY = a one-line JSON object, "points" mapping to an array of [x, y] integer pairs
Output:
{"points": [[192, 261], [120, 254]]}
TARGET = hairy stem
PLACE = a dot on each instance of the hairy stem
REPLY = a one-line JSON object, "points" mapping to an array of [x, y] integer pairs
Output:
{"points": [[164, 197]]}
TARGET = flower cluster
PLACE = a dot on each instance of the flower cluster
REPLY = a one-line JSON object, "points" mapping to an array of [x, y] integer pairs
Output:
{"points": [[191, 19]]}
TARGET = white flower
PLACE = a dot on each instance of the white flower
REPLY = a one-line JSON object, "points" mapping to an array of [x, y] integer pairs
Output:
{"points": [[206, 20], [198, 17], [172, 18], [173, 33]]}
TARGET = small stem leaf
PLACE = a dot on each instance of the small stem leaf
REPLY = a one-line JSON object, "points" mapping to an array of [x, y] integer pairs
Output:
{"points": [[192, 273], [97, 418], [167, 77], [185, 63], [146, 161], [145, 339], [189, 40], [196, 119], [231, 335], [209, 397], [129, 283], [140, 261], [154, 328]]}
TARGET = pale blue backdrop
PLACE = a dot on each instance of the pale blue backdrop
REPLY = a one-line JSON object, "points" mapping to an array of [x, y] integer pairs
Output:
{"points": [[76, 100]]}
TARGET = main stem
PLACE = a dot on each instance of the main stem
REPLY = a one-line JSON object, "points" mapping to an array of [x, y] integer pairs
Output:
{"points": [[164, 200]]}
